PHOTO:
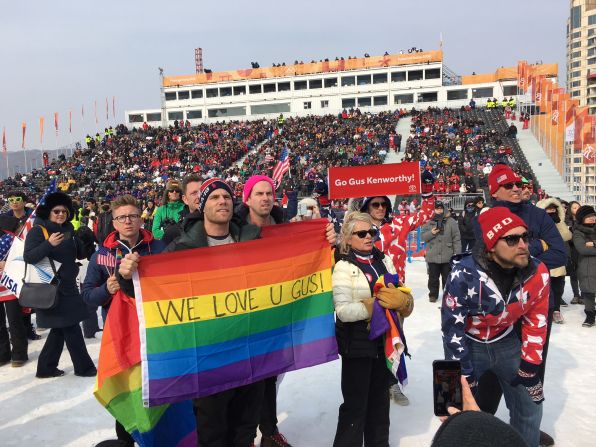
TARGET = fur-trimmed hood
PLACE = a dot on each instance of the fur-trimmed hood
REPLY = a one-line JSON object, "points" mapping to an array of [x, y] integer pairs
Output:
{"points": [[545, 203], [52, 201], [562, 228]]}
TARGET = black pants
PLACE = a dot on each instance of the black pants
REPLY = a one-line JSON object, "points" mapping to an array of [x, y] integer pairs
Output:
{"points": [[557, 285], [229, 418], [16, 328], [91, 325], [364, 413], [574, 282], [467, 245], [52, 350], [434, 272], [268, 421], [123, 435], [488, 395]]}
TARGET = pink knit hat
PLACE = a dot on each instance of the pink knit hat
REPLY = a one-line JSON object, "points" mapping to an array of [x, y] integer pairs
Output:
{"points": [[252, 181]]}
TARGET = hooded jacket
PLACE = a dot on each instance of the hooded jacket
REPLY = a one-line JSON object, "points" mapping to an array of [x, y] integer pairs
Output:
{"points": [[562, 228], [586, 264], [475, 311], [94, 287], [169, 212], [442, 246]]}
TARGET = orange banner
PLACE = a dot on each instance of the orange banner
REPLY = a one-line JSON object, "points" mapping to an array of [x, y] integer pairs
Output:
{"points": [[24, 127], [41, 129], [389, 60]]}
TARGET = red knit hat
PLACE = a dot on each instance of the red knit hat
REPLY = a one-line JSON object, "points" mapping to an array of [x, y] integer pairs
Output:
{"points": [[495, 222], [501, 175]]}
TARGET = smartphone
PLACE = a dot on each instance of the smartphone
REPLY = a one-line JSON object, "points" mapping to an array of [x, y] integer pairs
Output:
{"points": [[447, 390], [302, 209], [66, 235]]}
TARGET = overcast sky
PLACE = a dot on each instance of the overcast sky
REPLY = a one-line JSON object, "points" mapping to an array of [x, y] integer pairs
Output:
{"points": [[58, 56]]}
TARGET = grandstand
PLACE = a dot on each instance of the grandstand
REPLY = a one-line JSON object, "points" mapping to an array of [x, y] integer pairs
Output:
{"points": [[373, 84]]}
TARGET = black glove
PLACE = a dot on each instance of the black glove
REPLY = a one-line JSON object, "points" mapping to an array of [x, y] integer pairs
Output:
{"points": [[473, 383], [428, 181], [527, 376]]}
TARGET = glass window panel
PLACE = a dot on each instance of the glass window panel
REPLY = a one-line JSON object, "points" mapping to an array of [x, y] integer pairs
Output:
{"points": [[261, 109], [398, 76], [348, 103], [255, 89], [363, 80], [432, 73], [380, 100], [415, 75], [171, 96], [454, 95], [484, 92], [212, 93], [135, 118], [183, 94], [299, 85], [225, 91], [347, 81], [196, 94], [427, 97], [330, 82], [283, 87], [194, 114], [153, 117], [240, 90], [269, 88], [175, 116], [226, 112], [380, 78], [404, 99], [315, 83]]}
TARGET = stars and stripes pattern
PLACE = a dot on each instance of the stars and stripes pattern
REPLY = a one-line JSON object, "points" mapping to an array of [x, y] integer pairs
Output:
{"points": [[105, 258], [5, 244], [283, 166], [29, 223]]}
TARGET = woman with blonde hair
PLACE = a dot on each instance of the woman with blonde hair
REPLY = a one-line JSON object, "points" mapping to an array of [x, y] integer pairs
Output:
{"points": [[365, 378]]}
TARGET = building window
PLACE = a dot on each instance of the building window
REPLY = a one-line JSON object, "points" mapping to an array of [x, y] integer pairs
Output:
{"points": [[315, 83], [172, 116], [330, 82], [170, 96], [576, 35], [183, 94], [427, 97], [575, 93], [307, 105], [380, 78], [575, 74], [510, 90], [576, 45], [591, 32], [212, 93], [347, 81], [283, 87], [153, 117], [577, 169], [380, 100], [269, 88], [575, 64], [299, 85], [398, 76], [136, 118], [415, 75], [591, 52], [363, 79], [262, 109], [240, 90], [575, 17], [196, 94], [575, 84], [194, 114], [226, 112], [454, 95], [592, 20], [576, 54], [364, 102], [324, 104], [432, 73], [592, 61], [348, 103], [225, 91], [484, 92], [577, 160], [255, 89], [403, 99]]}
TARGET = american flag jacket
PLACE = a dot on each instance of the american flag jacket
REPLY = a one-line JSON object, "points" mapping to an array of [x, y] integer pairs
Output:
{"points": [[474, 311]]}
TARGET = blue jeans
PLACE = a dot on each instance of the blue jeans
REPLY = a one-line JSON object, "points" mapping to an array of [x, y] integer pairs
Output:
{"points": [[503, 358]]}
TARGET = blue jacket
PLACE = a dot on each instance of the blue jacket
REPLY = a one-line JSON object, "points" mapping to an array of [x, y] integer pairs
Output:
{"points": [[94, 288]]}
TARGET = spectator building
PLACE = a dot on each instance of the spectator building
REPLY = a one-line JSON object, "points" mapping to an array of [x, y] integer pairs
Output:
{"points": [[372, 84]]}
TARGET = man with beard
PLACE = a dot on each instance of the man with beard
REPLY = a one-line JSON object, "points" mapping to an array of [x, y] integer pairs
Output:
{"points": [[489, 291]]}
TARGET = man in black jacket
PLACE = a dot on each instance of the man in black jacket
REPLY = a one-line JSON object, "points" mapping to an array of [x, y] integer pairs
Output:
{"points": [[229, 418], [466, 226]]}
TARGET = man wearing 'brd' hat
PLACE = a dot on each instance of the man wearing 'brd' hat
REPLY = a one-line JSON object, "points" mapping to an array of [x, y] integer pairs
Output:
{"points": [[496, 286]]}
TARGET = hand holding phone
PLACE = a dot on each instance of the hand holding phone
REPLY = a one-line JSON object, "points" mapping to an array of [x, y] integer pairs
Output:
{"points": [[447, 388]]}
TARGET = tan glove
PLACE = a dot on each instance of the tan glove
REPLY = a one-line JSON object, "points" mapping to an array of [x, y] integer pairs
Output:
{"points": [[394, 298], [368, 304]]}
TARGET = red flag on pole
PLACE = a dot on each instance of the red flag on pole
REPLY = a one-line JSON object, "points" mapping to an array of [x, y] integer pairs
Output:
{"points": [[56, 121], [113, 107], [24, 127], [4, 141], [41, 129]]}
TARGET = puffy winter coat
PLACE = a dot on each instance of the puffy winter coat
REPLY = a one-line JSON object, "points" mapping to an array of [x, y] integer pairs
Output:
{"points": [[70, 309], [165, 213], [562, 228], [442, 246], [586, 266], [350, 288]]}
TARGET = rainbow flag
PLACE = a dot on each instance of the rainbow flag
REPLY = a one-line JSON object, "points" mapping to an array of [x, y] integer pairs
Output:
{"points": [[119, 379], [217, 318]]}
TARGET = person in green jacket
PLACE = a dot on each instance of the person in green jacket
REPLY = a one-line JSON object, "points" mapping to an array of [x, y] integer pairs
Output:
{"points": [[168, 213]]}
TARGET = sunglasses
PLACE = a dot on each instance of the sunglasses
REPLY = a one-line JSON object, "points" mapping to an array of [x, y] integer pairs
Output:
{"points": [[527, 186], [376, 205], [175, 190], [513, 239], [57, 212], [15, 199], [362, 233], [511, 185]]}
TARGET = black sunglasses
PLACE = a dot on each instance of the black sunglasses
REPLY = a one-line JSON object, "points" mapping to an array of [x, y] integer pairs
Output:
{"points": [[513, 239], [378, 205], [511, 185], [362, 233]]}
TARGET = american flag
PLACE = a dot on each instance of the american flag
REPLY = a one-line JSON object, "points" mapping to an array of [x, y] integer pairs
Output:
{"points": [[104, 257], [29, 223], [283, 166], [5, 243]]}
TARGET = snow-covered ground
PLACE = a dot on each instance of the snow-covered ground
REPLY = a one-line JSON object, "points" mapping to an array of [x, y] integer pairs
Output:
{"points": [[62, 412]]}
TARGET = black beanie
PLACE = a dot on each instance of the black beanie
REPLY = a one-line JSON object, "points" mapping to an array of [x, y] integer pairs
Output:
{"points": [[583, 212], [478, 429], [208, 187]]}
